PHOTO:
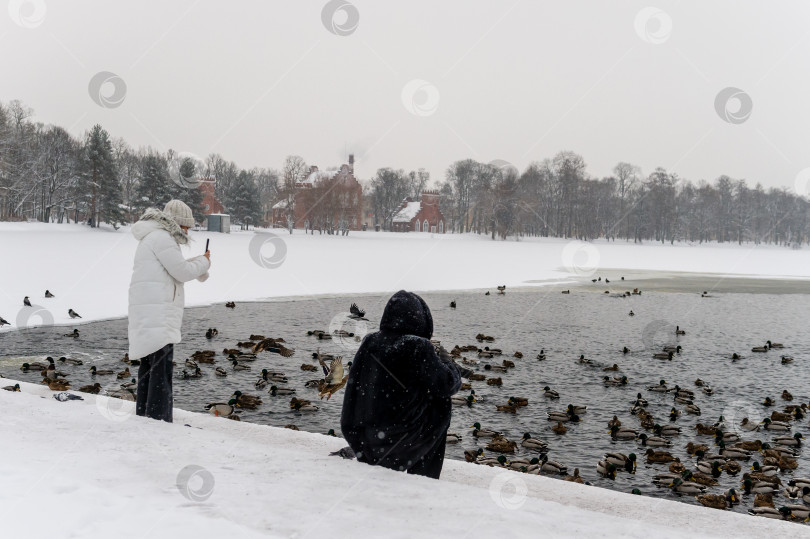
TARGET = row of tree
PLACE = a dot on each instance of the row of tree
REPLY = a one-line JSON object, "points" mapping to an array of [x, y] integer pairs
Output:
{"points": [[49, 175]]}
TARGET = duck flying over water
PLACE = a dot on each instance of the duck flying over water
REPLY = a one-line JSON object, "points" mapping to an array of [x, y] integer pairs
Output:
{"points": [[274, 346], [334, 379], [355, 313], [73, 314]]}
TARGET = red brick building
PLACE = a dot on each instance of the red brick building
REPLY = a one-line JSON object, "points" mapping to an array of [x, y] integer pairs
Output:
{"points": [[210, 204], [420, 216], [324, 200]]}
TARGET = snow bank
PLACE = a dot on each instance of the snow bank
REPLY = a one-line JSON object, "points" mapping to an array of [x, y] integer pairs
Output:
{"points": [[89, 270], [92, 469]]}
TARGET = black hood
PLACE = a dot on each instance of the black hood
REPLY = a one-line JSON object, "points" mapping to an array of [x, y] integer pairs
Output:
{"points": [[408, 314]]}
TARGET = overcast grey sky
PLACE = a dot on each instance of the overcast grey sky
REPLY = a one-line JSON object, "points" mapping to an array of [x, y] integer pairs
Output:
{"points": [[513, 80]]}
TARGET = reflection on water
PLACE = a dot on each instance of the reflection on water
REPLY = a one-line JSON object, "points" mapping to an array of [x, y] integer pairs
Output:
{"points": [[564, 326]]}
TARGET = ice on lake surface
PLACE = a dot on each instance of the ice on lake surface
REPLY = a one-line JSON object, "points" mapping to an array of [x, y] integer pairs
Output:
{"points": [[586, 321]]}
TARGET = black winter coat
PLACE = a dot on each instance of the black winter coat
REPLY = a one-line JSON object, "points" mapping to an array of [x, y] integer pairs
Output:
{"points": [[396, 409]]}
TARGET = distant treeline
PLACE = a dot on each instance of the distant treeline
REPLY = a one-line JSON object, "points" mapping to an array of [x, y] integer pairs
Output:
{"points": [[49, 175]]}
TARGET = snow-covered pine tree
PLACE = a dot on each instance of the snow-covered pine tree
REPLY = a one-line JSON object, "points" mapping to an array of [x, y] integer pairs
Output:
{"points": [[100, 177], [154, 187], [244, 200]]}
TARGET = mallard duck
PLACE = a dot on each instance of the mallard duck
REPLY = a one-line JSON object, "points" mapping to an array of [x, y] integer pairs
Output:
{"points": [[500, 461], [774, 344], [541, 356], [33, 366], [92, 388], [640, 401], [692, 409], [693, 448], [653, 441], [480, 432], [495, 368], [749, 445], [620, 460], [658, 457], [74, 334], [471, 455], [211, 333], [660, 388], [518, 355], [699, 478], [608, 381], [551, 466], [625, 350], [14, 389], [230, 304], [452, 438], [559, 428], [709, 467], [786, 360], [222, 408], [219, 371], [71, 361], [100, 372], [768, 402], [787, 463], [760, 349], [132, 384], [508, 364], [576, 478], [460, 400], [56, 385], [550, 393], [510, 408], [679, 331], [765, 470], [300, 405], [686, 487], [191, 364], [615, 367], [519, 401], [502, 289], [676, 466], [576, 410], [494, 381], [663, 355], [249, 402], [562, 417], [239, 366], [623, 433], [718, 501], [674, 349], [533, 443], [769, 512], [790, 441], [606, 469], [798, 511], [276, 391], [481, 338], [757, 487], [707, 430], [501, 444], [667, 430], [615, 422], [707, 390], [583, 359], [777, 451], [733, 452], [768, 424], [197, 373], [731, 467], [674, 414], [475, 377], [748, 425]]}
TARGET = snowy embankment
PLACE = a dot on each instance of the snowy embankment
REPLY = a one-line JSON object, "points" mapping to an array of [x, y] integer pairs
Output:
{"points": [[92, 469], [89, 270]]}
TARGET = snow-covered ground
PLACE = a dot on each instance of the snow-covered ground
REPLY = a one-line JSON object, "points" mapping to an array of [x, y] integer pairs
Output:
{"points": [[92, 469], [89, 270]]}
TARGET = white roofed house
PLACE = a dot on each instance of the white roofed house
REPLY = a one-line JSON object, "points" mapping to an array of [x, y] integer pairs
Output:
{"points": [[421, 215]]}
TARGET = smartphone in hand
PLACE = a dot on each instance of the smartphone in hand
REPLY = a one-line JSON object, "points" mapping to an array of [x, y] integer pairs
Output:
{"points": [[206, 244]]}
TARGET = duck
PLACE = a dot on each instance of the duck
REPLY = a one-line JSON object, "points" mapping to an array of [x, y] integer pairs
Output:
{"points": [[562, 417], [480, 432], [674, 414], [276, 391], [576, 410], [625, 350], [731, 467], [541, 356], [221, 408], [749, 445], [699, 478], [500, 461], [768, 402], [74, 334], [735, 356], [124, 374], [660, 388], [676, 466], [494, 381], [615, 381], [769, 512], [56, 385], [550, 393], [300, 405], [519, 401], [501, 444], [460, 400], [760, 349], [794, 441], [693, 409], [230, 304], [667, 430], [774, 344], [559, 428], [679, 331], [239, 366], [249, 402], [674, 349], [132, 384], [191, 364], [511, 408], [787, 395], [14, 389], [71, 361], [768, 424], [533, 443], [765, 470], [798, 511], [631, 313], [551, 466], [277, 377], [219, 371], [196, 373], [693, 448], [663, 355], [453, 304], [33, 366], [606, 469], [576, 478], [620, 460], [566, 291], [686, 487], [733, 452], [758, 487], [786, 360], [623, 433], [495, 368], [615, 367], [748, 425], [100, 372], [707, 390], [718, 501], [653, 441], [706, 429], [709, 467], [93, 389], [451, 438], [261, 383], [658, 457], [583, 359], [615, 422], [640, 401]]}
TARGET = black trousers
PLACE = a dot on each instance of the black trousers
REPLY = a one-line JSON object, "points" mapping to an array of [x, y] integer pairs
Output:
{"points": [[154, 398], [431, 464]]}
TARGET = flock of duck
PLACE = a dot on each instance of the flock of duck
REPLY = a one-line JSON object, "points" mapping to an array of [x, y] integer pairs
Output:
{"points": [[768, 448]]}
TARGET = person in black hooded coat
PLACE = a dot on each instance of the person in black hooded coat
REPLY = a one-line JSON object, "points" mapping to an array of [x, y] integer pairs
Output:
{"points": [[396, 409]]}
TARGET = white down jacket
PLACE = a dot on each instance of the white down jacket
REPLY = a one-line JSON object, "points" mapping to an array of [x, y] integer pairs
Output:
{"points": [[156, 297]]}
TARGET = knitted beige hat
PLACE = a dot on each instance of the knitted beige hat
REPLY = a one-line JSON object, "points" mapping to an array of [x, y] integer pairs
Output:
{"points": [[180, 212]]}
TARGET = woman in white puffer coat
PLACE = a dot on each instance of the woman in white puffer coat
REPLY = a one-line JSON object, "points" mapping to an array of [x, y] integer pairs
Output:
{"points": [[156, 301]]}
